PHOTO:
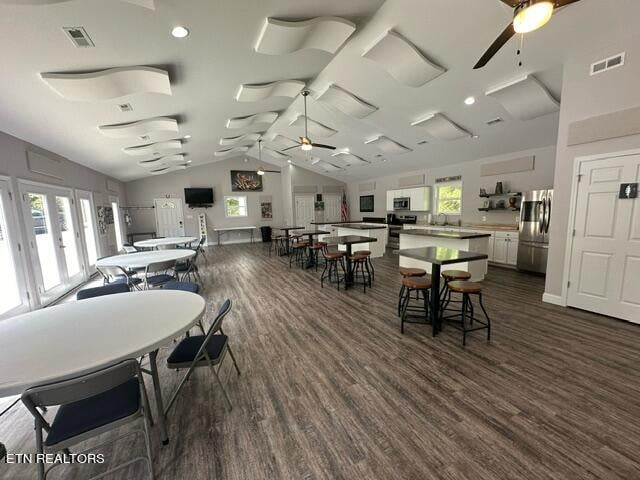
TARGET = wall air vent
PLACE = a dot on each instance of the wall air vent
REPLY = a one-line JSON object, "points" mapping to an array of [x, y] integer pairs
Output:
{"points": [[607, 64], [493, 121], [125, 107], [79, 37]]}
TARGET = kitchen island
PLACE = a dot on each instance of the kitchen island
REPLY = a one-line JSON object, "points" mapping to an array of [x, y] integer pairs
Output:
{"points": [[465, 241], [377, 231]]}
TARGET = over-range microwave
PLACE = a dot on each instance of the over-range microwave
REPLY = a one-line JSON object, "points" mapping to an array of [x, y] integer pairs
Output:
{"points": [[401, 203]]}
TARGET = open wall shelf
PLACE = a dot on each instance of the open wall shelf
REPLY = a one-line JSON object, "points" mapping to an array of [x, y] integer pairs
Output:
{"points": [[507, 194], [506, 209]]}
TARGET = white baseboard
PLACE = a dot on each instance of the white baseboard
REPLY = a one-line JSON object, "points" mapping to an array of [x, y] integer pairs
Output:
{"points": [[214, 242], [554, 299]]}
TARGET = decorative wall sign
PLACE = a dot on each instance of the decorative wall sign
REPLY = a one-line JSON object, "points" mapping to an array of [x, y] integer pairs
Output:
{"points": [[245, 181], [108, 215], [628, 190], [318, 206], [266, 210], [102, 226]]}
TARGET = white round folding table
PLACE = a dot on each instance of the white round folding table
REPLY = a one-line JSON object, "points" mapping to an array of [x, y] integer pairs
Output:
{"points": [[143, 259], [64, 341], [164, 242]]}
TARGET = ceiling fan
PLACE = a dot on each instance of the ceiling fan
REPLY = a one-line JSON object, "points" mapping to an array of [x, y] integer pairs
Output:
{"points": [[528, 15], [305, 142], [262, 171]]}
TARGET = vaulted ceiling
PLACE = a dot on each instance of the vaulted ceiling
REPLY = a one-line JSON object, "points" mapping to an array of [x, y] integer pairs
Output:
{"points": [[388, 81]]}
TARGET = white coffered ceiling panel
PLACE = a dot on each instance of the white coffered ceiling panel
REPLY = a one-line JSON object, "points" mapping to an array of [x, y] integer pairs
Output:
{"points": [[246, 138], [275, 153], [387, 145], [525, 98], [155, 149], [403, 60], [350, 158], [316, 129], [152, 129], [281, 141], [252, 120], [440, 127], [162, 161], [109, 84], [231, 151], [264, 91], [142, 3], [167, 169], [346, 102], [279, 37]]}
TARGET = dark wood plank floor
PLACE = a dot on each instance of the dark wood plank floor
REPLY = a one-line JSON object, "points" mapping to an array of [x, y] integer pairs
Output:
{"points": [[331, 390]]}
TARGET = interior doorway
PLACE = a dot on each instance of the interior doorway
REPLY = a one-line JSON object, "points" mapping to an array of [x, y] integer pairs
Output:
{"points": [[169, 217]]}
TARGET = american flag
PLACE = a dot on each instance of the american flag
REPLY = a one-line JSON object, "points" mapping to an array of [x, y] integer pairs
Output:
{"points": [[344, 208]]}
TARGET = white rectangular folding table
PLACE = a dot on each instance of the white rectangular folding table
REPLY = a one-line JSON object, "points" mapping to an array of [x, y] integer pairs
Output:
{"points": [[221, 230]]}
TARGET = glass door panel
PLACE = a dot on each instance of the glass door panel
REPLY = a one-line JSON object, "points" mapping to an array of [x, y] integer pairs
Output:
{"points": [[86, 213], [68, 236], [117, 224], [46, 245], [12, 298]]}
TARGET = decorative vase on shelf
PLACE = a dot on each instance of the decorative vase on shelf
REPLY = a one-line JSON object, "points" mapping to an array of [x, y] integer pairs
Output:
{"points": [[512, 202], [499, 189]]}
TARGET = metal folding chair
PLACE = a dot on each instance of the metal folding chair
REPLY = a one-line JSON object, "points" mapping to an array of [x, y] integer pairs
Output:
{"points": [[155, 275]]}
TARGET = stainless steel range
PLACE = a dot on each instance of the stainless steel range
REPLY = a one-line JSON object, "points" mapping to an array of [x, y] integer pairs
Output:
{"points": [[396, 223]]}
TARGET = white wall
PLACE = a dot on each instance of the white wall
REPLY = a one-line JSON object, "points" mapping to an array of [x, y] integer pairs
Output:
{"points": [[583, 97], [217, 176], [302, 179], [540, 177]]}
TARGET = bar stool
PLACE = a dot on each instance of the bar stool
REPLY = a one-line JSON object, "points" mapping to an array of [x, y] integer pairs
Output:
{"points": [[408, 272], [314, 249], [331, 262], [445, 293], [361, 264], [421, 286], [467, 289], [368, 254], [299, 253]]}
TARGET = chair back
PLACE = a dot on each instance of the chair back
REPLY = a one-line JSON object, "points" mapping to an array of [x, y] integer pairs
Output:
{"points": [[216, 325], [160, 266], [129, 248], [79, 388], [103, 290], [110, 273]]}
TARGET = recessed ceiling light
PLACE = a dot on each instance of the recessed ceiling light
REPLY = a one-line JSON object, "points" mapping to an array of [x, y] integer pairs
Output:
{"points": [[469, 100], [475, 137], [187, 137], [180, 32], [289, 161]]}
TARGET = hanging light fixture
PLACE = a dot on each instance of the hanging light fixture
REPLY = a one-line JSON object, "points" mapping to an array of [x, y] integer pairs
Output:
{"points": [[531, 15]]}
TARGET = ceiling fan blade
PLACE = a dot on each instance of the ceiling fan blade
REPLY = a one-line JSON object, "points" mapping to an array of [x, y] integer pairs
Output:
{"points": [[289, 148], [563, 3], [511, 3], [320, 145], [496, 46]]}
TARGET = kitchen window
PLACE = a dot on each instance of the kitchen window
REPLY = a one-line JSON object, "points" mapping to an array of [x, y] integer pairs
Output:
{"points": [[235, 206], [449, 199]]}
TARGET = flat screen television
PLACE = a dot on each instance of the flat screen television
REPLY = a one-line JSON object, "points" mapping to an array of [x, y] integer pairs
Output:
{"points": [[198, 196], [366, 203]]}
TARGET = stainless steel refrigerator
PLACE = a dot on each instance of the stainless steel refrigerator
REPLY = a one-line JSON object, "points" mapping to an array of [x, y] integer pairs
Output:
{"points": [[533, 241]]}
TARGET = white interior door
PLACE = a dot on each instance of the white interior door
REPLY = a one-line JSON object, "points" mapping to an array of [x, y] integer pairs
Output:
{"points": [[332, 208], [14, 298], [169, 217], [305, 213], [117, 222], [54, 239], [605, 258]]}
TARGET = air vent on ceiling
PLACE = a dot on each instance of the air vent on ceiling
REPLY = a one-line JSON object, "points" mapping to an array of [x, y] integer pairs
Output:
{"points": [[423, 142], [144, 137], [79, 37], [493, 121], [607, 64], [125, 107]]}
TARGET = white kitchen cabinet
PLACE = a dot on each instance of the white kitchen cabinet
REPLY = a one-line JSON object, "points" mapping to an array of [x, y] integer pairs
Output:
{"points": [[419, 198], [505, 248], [390, 196], [491, 247]]}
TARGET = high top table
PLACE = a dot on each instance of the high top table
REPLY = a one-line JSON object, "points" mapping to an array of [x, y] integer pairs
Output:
{"points": [[164, 242], [286, 230], [310, 234], [71, 339], [438, 256], [348, 241], [143, 259]]}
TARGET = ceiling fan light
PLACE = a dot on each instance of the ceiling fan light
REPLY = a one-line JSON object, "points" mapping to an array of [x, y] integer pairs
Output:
{"points": [[533, 16], [306, 147], [260, 171]]}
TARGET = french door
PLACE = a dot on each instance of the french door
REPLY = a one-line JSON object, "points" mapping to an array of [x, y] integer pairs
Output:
{"points": [[117, 223], [54, 239], [305, 212], [14, 298], [86, 212], [169, 217], [332, 208]]}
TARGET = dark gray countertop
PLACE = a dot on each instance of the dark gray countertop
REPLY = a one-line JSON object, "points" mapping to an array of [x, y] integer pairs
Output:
{"points": [[332, 223], [441, 255], [360, 226], [348, 240], [434, 233]]}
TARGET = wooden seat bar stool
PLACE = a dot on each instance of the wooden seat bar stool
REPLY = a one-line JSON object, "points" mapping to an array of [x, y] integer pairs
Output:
{"points": [[466, 317], [331, 262], [314, 251], [408, 272], [299, 254], [368, 254], [360, 262], [445, 293], [421, 286]]}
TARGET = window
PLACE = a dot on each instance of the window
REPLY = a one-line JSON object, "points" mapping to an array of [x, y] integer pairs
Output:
{"points": [[117, 224], [235, 206], [449, 199]]}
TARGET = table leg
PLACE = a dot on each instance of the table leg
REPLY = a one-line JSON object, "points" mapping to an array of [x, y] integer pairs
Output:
{"points": [[158, 392], [310, 259], [286, 233], [435, 299], [349, 279], [218, 237]]}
